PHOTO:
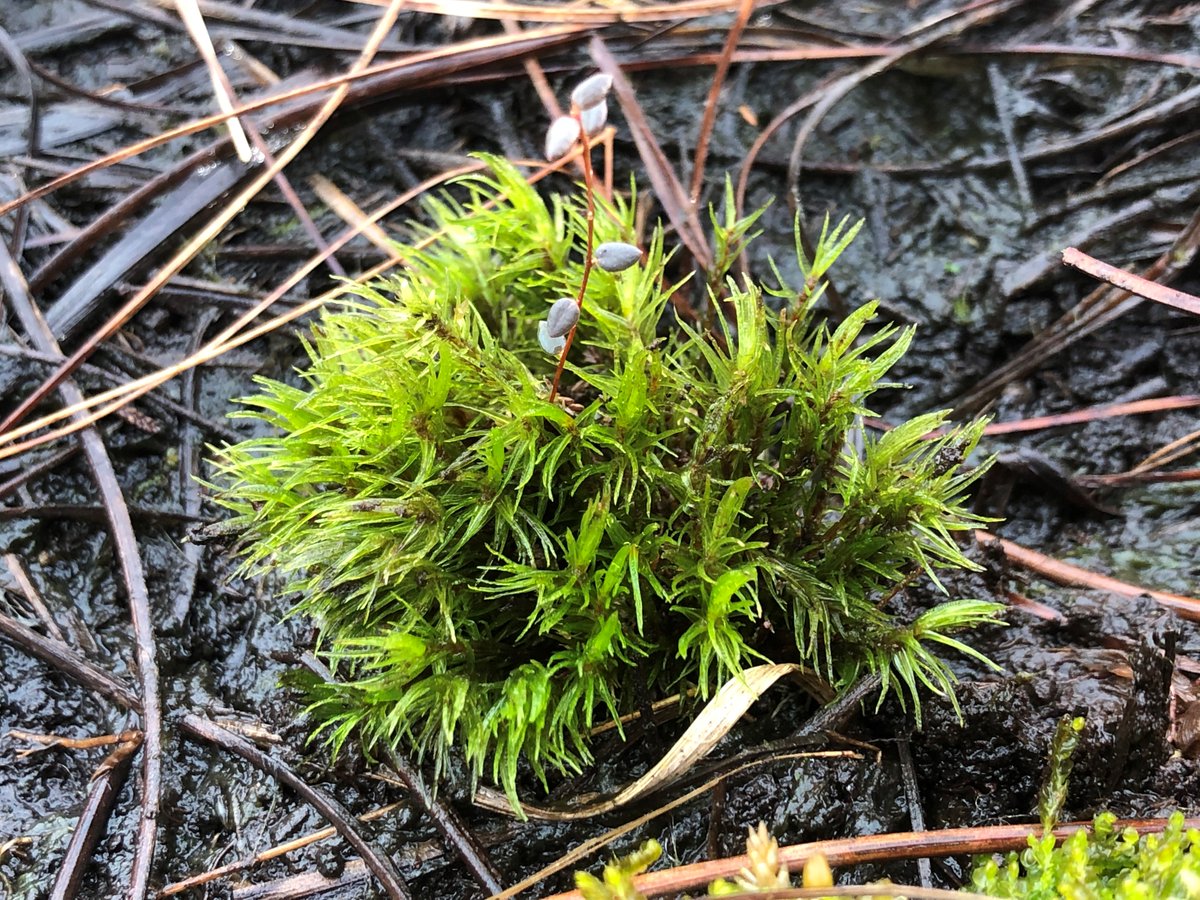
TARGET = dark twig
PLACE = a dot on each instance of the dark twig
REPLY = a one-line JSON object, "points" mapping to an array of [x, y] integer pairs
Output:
{"points": [[16, 57], [70, 662], [448, 823], [830, 717], [337, 816], [16, 568], [107, 781], [189, 468], [912, 796], [132, 576]]}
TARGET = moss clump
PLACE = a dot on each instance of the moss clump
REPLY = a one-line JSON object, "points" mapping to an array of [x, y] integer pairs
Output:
{"points": [[491, 571], [1108, 864]]}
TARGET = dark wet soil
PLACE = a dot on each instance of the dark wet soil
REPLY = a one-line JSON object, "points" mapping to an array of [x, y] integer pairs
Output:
{"points": [[949, 244]]}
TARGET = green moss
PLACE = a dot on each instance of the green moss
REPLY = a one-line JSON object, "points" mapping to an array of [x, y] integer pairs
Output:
{"points": [[494, 572], [1109, 864]]}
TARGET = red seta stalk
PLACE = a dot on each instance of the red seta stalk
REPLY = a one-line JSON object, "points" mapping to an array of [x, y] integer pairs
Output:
{"points": [[589, 187]]}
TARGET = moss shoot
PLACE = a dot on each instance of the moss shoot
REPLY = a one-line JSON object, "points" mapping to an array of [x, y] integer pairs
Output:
{"points": [[492, 572]]}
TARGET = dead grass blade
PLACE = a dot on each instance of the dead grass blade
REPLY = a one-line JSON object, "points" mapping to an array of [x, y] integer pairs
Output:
{"points": [[720, 714], [189, 12], [588, 847]]}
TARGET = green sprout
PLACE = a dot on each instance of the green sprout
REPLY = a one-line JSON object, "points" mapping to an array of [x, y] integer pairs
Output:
{"points": [[1108, 864], [494, 569], [616, 882]]}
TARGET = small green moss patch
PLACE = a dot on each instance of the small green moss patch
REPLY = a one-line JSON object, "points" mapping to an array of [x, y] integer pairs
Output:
{"points": [[494, 573]]}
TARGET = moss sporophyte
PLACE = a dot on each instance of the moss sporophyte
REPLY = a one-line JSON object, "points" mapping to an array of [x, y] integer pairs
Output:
{"points": [[494, 569]]}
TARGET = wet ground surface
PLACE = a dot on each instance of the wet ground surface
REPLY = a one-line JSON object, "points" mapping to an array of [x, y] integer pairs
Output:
{"points": [[957, 240]]}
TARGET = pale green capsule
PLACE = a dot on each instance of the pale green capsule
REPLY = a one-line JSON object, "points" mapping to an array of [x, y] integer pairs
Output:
{"points": [[591, 90], [563, 316], [616, 256], [593, 117], [552, 345], [561, 137]]}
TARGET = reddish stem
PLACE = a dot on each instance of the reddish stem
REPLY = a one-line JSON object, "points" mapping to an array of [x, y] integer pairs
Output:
{"points": [[589, 187]]}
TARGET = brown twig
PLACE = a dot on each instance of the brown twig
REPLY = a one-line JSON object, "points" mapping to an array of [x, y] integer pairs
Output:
{"points": [[872, 848], [1134, 284], [449, 824], [70, 662], [379, 864], [1074, 576], [1093, 414], [132, 575], [745, 7], [107, 781], [610, 13]]}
